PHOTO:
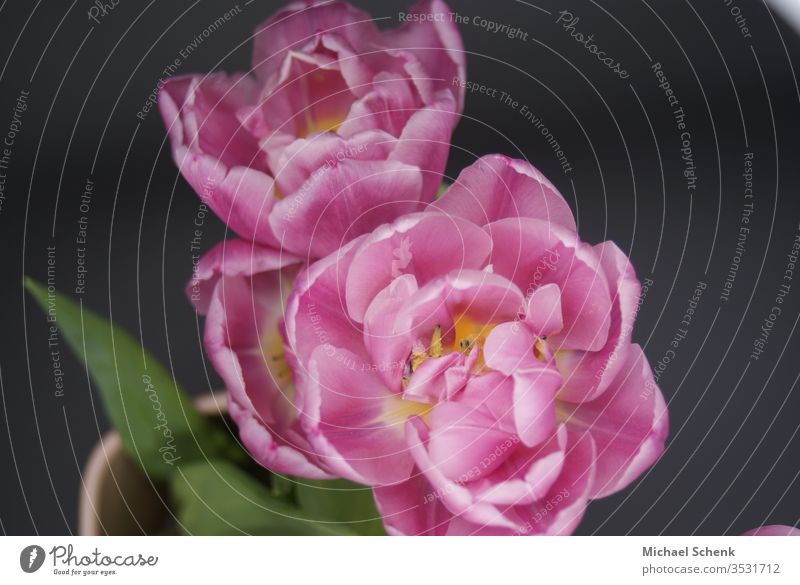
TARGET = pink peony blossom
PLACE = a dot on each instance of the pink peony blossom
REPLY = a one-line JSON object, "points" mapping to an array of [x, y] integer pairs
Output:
{"points": [[241, 287], [474, 362], [773, 530], [338, 128]]}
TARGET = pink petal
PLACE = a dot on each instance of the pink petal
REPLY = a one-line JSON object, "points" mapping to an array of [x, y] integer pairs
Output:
{"points": [[533, 253], [306, 156], [388, 107], [483, 296], [200, 113], [588, 374], [435, 42], [299, 23], [562, 509], [534, 405], [628, 422], [531, 472], [219, 158], [413, 245], [241, 330], [430, 382], [388, 349], [315, 314], [456, 497], [232, 258], [242, 197], [465, 431], [342, 202], [543, 311], [310, 95], [496, 187], [411, 508], [585, 303], [509, 347], [425, 143], [343, 410]]}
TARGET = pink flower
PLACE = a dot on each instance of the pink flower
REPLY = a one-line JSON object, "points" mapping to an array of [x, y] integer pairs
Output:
{"points": [[241, 287], [473, 362], [339, 128], [773, 530]]}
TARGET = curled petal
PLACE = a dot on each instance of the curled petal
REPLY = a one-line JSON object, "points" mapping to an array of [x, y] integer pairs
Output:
{"points": [[534, 403], [425, 142], [232, 258], [628, 422], [344, 201], [300, 23], [562, 509], [243, 341], [543, 310], [435, 42], [413, 244], [509, 347], [409, 509], [353, 421], [588, 374], [315, 313], [386, 347], [496, 187]]}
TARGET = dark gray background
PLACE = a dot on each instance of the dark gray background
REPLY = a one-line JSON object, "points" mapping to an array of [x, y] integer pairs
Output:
{"points": [[733, 452]]}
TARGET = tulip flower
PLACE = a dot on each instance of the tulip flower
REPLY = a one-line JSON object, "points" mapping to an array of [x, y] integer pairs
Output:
{"points": [[337, 128], [474, 364]]}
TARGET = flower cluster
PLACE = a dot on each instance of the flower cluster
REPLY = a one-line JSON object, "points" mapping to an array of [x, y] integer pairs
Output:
{"points": [[468, 357]]}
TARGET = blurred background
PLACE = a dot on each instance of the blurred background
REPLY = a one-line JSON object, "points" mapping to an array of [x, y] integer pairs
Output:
{"points": [[73, 103]]}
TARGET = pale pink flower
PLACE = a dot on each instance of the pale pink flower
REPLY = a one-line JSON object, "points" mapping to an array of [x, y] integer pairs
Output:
{"points": [[338, 128], [474, 362]]}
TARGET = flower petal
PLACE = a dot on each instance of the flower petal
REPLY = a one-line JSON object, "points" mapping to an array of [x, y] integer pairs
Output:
{"points": [[534, 403], [232, 258], [534, 253], [413, 244], [344, 201], [243, 341], [496, 187], [588, 374], [347, 413], [409, 508], [435, 42], [299, 24], [315, 314], [387, 349], [509, 347], [628, 422], [543, 310]]}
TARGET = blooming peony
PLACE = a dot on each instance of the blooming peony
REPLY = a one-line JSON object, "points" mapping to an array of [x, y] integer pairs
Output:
{"points": [[473, 363], [339, 127]]}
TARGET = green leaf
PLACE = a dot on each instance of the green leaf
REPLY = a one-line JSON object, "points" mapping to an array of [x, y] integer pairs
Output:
{"points": [[341, 501], [217, 498], [157, 422], [442, 188]]}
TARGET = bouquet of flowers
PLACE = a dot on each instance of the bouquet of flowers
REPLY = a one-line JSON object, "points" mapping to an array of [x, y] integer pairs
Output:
{"points": [[400, 354]]}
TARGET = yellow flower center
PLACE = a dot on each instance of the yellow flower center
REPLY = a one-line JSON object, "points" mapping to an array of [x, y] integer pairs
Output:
{"points": [[321, 124], [467, 334]]}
